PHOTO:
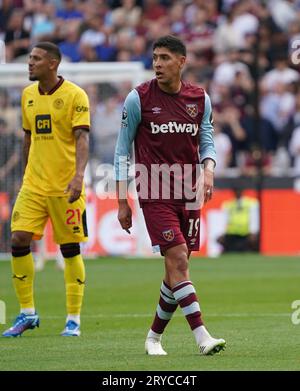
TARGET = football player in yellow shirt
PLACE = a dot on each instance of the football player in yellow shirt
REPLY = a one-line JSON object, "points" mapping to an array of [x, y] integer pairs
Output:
{"points": [[56, 122]]}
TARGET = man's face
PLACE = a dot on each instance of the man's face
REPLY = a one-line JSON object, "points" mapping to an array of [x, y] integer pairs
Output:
{"points": [[167, 65], [40, 64]]}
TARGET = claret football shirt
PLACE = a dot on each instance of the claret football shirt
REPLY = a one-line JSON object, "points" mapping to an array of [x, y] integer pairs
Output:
{"points": [[172, 134]]}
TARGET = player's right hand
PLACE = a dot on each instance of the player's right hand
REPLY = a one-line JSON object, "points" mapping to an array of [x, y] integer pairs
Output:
{"points": [[125, 216]]}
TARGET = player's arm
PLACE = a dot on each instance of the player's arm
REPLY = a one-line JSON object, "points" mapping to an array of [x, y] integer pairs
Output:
{"points": [[81, 127], [131, 117], [82, 155], [26, 147], [27, 132], [207, 149]]}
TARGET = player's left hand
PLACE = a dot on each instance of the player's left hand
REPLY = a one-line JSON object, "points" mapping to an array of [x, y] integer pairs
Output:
{"points": [[208, 184], [74, 188]]}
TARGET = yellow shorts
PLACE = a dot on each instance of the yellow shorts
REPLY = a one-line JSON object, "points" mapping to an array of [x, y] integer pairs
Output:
{"points": [[31, 212]]}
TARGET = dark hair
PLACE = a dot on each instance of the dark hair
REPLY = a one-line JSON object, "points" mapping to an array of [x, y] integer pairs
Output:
{"points": [[50, 48], [175, 45]]}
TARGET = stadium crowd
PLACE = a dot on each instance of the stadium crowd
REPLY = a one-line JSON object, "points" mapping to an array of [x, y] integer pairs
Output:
{"points": [[243, 52]]}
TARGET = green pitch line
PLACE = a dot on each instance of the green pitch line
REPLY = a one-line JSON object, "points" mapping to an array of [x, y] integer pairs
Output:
{"points": [[245, 299]]}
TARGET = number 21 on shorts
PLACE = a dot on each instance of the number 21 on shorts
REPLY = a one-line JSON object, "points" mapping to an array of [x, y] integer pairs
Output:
{"points": [[73, 217]]}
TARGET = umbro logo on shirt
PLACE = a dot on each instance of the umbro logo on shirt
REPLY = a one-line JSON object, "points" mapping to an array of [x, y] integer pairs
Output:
{"points": [[156, 110], [30, 103]]}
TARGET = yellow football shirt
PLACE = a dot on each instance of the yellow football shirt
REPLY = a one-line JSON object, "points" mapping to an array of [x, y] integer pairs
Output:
{"points": [[52, 118]]}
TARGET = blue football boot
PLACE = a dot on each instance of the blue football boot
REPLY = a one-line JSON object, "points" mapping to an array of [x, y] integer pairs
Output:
{"points": [[22, 323], [72, 329]]}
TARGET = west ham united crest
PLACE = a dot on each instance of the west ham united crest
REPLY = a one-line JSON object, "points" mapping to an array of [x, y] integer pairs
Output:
{"points": [[192, 109], [168, 235]]}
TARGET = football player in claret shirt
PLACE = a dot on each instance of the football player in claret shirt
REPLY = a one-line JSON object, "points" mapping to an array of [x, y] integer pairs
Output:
{"points": [[170, 123], [56, 122]]}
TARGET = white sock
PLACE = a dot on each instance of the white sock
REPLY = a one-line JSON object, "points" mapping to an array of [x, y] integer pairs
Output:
{"points": [[201, 334], [75, 318], [154, 335], [27, 311]]}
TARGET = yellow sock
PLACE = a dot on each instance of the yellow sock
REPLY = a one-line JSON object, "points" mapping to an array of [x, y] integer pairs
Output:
{"points": [[23, 275], [74, 280]]}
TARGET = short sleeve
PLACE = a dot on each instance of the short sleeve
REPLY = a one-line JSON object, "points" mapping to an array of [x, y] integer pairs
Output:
{"points": [[25, 122], [81, 111]]}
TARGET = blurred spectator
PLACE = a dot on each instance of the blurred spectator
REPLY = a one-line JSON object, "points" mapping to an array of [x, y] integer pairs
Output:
{"points": [[16, 38], [42, 24], [6, 10], [225, 38], [9, 113], [293, 122], [280, 74], [177, 21], [283, 12], [227, 68], [256, 162], [223, 149], [212, 9], [70, 46], [242, 224], [10, 177], [94, 33], [106, 125], [153, 11], [107, 51], [294, 36], [128, 14], [139, 52], [260, 131], [294, 149], [69, 11], [9, 159], [124, 55], [232, 127], [245, 22], [199, 35], [277, 107]]}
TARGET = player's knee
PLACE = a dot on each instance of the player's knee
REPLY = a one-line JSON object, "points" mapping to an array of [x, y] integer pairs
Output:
{"points": [[178, 260], [70, 250], [181, 263], [21, 239]]}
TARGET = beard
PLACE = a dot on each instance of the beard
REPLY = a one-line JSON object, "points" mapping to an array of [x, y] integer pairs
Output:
{"points": [[33, 78]]}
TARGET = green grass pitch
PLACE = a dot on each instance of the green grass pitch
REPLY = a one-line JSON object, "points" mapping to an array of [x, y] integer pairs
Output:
{"points": [[245, 299]]}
